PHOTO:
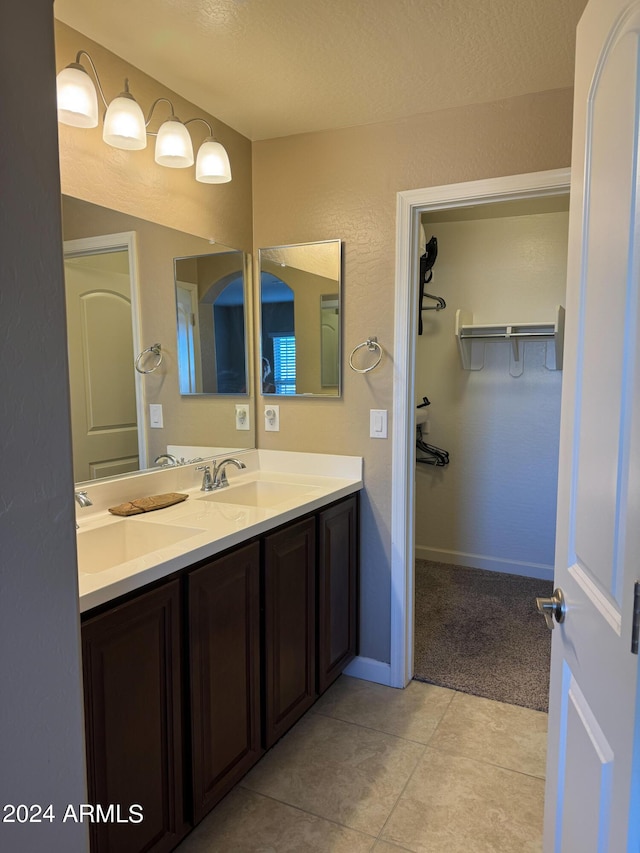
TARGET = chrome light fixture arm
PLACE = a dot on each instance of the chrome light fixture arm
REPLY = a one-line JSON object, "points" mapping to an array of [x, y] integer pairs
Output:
{"points": [[152, 108], [78, 64], [204, 121]]}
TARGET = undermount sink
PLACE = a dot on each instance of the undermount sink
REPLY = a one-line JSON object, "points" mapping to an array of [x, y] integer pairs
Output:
{"points": [[259, 493], [103, 548]]}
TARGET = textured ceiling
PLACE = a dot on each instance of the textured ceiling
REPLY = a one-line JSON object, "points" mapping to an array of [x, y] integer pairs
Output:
{"points": [[278, 67]]}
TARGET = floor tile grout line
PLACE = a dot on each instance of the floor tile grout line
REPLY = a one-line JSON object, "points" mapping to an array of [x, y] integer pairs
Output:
{"points": [[379, 731], [487, 762], [399, 797], [306, 811]]}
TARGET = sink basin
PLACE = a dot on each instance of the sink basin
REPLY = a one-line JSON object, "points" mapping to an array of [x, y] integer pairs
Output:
{"points": [[102, 548], [259, 493]]}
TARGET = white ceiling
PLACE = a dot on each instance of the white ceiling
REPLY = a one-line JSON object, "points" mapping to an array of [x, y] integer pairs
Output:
{"points": [[278, 67]]}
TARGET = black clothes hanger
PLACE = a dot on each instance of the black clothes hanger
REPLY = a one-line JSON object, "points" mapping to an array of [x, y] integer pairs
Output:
{"points": [[432, 455], [426, 274]]}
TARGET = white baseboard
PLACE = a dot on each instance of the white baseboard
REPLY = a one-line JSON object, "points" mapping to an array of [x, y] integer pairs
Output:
{"points": [[369, 669], [493, 564]]}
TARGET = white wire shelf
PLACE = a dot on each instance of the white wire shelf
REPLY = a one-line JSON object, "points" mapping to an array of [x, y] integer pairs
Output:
{"points": [[470, 335]]}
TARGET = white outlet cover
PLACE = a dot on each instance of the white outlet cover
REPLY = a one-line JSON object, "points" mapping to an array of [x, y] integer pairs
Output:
{"points": [[377, 423], [243, 421], [272, 418], [155, 416]]}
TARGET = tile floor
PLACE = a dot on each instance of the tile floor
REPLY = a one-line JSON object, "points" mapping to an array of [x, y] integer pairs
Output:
{"points": [[370, 768]]}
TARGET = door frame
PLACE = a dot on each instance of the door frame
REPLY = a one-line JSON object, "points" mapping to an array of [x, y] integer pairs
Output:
{"points": [[103, 244], [410, 205]]}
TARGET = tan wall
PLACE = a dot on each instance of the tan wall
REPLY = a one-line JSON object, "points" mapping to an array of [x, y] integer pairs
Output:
{"points": [[130, 181], [343, 184]]}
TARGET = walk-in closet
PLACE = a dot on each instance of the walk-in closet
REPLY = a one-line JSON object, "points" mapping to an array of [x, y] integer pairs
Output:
{"points": [[488, 383]]}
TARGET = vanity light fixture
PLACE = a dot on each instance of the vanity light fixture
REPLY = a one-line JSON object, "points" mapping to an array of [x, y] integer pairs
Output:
{"points": [[125, 126]]}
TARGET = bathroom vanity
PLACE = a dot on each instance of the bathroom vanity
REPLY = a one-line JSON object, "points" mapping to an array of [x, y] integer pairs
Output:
{"points": [[192, 674]]}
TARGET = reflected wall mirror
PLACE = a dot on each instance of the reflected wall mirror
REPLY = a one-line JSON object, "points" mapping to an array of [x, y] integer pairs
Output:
{"points": [[115, 321], [211, 318], [300, 319]]}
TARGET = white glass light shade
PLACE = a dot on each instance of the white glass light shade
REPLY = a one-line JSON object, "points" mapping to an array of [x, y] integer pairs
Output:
{"points": [[77, 99], [173, 145], [124, 125], [212, 165]]}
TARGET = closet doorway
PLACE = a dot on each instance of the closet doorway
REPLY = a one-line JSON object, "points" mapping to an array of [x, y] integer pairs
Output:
{"points": [[465, 529], [488, 364]]}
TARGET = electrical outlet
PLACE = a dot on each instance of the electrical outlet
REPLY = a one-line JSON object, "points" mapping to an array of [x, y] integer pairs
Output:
{"points": [[272, 418], [242, 416]]}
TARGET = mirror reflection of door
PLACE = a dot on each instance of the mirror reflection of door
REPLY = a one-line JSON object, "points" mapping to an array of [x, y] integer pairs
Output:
{"points": [[101, 364], [278, 336], [189, 360], [329, 340]]}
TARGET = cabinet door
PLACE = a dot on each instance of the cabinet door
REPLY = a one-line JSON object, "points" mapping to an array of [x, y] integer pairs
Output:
{"points": [[131, 664], [224, 651], [337, 590], [289, 594]]}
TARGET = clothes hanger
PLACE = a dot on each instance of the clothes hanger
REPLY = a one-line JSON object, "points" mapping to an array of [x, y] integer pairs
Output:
{"points": [[426, 274], [433, 455]]}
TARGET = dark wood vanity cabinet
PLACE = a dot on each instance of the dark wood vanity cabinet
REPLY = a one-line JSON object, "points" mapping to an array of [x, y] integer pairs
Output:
{"points": [[289, 626], [224, 662], [132, 689], [188, 683], [337, 589]]}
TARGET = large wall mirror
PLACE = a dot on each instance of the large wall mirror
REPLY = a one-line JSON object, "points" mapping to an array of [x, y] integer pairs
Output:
{"points": [[300, 319], [120, 277]]}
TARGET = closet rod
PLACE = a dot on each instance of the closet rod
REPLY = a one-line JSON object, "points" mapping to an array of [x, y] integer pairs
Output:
{"points": [[485, 336]]}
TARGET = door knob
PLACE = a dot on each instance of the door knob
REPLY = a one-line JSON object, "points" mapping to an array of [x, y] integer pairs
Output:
{"points": [[550, 607]]}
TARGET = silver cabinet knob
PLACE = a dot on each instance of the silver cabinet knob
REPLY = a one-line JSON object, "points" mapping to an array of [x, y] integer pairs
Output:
{"points": [[550, 607]]}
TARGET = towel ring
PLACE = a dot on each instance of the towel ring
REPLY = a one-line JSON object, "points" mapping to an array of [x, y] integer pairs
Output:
{"points": [[156, 350], [372, 345]]}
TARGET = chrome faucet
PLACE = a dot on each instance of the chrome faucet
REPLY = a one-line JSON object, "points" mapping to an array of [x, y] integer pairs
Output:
{"points": [[170, 463], [82, 499], [220, 471], [207, 482], [219, 478]]}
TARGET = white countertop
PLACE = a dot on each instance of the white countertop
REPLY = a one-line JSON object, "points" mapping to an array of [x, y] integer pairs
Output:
{"points": [[207, 527]]}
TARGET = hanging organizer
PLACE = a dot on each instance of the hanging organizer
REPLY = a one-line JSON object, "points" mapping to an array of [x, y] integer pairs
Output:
{"points": [[473, 337]]}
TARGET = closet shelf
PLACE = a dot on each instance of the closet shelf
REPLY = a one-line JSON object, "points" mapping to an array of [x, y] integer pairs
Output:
{"points": [[469, 333]]}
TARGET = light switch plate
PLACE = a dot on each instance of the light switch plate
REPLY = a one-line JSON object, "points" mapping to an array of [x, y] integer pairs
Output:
{"points": [[377, 423], [155, 416], [242, 416], [272, 418]]}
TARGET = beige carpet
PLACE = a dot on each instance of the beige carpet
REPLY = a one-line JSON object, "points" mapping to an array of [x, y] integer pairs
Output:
{"points": [[479, 632]]}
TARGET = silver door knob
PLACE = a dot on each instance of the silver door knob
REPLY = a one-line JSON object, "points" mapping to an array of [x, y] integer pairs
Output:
{"points": [[552, 607]]}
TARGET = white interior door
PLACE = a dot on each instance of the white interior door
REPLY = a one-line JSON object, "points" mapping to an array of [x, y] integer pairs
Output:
{"points": [[593, 732], [101, 358]]}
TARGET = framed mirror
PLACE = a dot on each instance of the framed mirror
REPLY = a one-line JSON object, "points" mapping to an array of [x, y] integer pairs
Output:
{"points": [[211, 323], [300, 319]]}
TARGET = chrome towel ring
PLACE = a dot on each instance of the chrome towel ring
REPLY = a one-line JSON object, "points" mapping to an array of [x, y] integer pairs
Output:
{"points": [[156, 350], [372, 345]]}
